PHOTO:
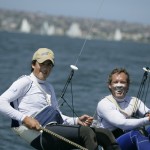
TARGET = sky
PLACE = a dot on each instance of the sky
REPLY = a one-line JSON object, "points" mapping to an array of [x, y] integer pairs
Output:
{"points": [[133, 11]]}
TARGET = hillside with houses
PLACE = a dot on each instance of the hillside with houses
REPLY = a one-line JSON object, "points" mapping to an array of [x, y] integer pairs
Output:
{"points": [[38, 23]]}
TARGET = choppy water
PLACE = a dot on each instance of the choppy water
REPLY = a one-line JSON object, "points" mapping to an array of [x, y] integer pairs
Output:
{"points": [[96, 61]]}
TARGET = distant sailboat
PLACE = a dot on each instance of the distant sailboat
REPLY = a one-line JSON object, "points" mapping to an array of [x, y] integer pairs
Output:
{"points": [[51, 30], [25, 26], [74, 30], [47, 29], [118, 35], [44, 28]]}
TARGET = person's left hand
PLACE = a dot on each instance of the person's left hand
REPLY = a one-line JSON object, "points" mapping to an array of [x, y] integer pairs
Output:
{"points": [[85, 120], [148, 115]]}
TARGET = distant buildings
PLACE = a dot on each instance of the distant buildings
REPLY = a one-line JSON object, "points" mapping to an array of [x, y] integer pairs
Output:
{"points": [[35, 23]]}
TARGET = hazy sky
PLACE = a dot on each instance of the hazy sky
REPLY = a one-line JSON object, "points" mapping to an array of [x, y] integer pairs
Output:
{"points": [[128, 10]]}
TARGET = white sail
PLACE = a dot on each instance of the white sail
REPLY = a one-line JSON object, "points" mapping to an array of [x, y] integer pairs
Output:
{"points": [[47, 29], [118, 35], [74, 30], [25, 26], [44, 28], [51, 30]]}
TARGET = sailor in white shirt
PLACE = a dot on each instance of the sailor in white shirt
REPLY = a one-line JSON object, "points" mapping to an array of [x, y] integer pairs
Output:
{"points": [[33, 103], [111, 117], [115, 112]]}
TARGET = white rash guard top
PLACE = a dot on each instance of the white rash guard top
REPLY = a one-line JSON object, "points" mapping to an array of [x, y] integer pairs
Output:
{"points": [[28, 99], [109, 116]]}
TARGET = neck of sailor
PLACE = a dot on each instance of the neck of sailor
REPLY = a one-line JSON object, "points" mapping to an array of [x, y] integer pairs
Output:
{"points": [[41, 70]]}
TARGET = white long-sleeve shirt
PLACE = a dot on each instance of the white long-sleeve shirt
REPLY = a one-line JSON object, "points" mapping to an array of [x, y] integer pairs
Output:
{"points": [[110, 117], [28, 99]]}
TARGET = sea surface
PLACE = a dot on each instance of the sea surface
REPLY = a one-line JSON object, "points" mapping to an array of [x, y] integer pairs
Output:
{"points": [[94, 58]]}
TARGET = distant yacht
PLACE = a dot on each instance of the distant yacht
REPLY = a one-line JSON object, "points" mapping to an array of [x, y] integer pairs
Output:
{"points": [[118, 35], [74, 30], [51, 30], [25, 26], [44, 28], [47, 29]]}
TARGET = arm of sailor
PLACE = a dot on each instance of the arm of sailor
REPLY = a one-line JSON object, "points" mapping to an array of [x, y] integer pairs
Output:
{"points": [[84, 120], [69, 120], [31, 123], [113, 117], [16, 90]]}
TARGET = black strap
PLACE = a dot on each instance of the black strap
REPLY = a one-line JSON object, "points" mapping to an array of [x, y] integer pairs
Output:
{"points": [[14, 123], [117, 132], [143, 131]]}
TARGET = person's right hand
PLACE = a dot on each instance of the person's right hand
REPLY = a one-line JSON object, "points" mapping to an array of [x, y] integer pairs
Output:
{"points": [[31, 123]]}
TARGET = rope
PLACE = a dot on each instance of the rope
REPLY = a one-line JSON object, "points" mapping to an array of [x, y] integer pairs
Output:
{"points": [[63, 138]]}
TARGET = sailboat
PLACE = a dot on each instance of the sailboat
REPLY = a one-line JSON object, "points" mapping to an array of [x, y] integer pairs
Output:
{"points": [[25, 26], [118, 35]]}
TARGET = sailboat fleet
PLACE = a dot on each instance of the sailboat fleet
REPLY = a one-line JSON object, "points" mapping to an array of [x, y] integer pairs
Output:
{"points": [[46, 29], [73, 31]]}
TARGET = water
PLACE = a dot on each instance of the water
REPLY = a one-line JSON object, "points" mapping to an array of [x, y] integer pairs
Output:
{"points": [[89, 83]]}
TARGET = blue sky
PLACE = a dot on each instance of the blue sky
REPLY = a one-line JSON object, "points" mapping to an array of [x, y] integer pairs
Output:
{"points": [[137, 11]]}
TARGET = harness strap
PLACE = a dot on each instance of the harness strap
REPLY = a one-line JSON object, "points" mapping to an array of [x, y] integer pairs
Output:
{"points": [[14, 123], [132, 104], [48, 97]]}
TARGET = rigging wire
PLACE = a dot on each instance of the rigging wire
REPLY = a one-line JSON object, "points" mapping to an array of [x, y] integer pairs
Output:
{"points": [[89, 32], [141, 91], [73, 67], [147, 90]]}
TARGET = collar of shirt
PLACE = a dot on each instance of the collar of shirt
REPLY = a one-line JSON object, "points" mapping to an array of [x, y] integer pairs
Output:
{"points": [[36, 79]]}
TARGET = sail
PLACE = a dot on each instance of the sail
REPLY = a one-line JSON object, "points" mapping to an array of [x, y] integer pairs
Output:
{"points": [[25, 26], [118, 35], [74, 30]]}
